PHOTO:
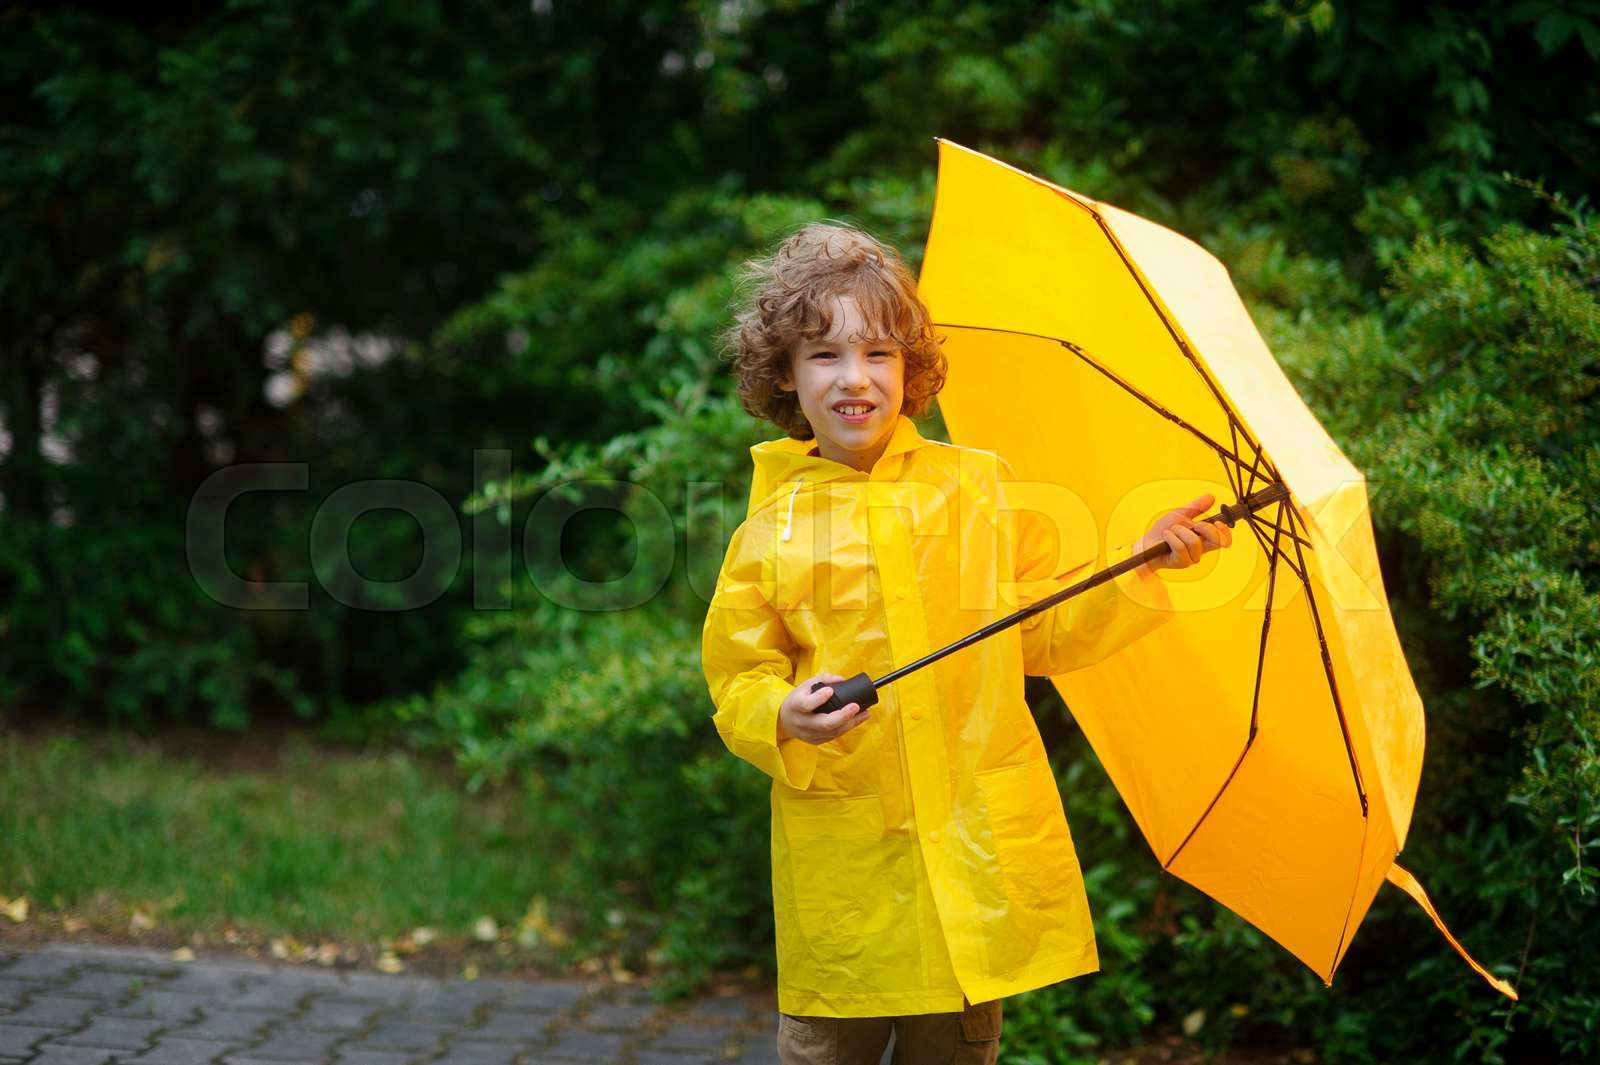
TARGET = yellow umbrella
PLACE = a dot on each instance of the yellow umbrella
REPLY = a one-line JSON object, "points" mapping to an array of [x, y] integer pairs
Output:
{"points": [[1268, 740]]}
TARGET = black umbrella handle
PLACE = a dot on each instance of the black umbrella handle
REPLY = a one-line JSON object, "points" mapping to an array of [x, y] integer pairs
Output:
{"points": [[858, 689], [864, 690]]}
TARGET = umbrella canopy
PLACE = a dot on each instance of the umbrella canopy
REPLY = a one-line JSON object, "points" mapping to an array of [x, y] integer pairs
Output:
{"points": [[1268, 741]]}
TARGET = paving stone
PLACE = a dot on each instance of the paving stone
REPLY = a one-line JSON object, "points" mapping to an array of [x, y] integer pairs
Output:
{"points": [[177, 1007], [11, 991], [663, 1057], [338, 1013], [244, 1059], [170, 1050], [273, 996], [543, 997], [45, 966], [402, 1035], [589, 1046], [463, 1014], [296, 1044], [461, 990], [389, 989], [617, 1015], [125, 959], [316, 978], [226, 1025], [55, 1054], [105, 985], [118, 1033], [511, 1026], [762, 1052], [469, 1053], [693, 1038], [630, 996], [374, 1057], [732, 1008], [452, 1001], [212, 981], [51, 1012], [18, 1040]]}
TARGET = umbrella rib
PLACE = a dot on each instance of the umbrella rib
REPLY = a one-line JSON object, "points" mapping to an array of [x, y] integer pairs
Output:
{"points": [[1158, 408], [1266, 549], [1296, 538], [1255, 698], [1344, 929], [1140, 396], [1239, 491], [1116, 245], [1333, 685]]}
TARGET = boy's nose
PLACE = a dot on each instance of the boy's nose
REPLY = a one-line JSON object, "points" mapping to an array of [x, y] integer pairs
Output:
{"points": [[853, 373]]}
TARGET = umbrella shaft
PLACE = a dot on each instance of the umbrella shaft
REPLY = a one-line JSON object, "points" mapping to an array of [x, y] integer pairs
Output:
{"points": [[1107, 574], [1229, 513]]}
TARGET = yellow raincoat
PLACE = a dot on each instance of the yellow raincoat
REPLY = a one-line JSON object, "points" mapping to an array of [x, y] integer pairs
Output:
{"points": [[922, 856]]}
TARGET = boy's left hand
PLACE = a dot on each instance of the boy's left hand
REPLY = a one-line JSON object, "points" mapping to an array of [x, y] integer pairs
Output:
{"points": [[1187, 538]]}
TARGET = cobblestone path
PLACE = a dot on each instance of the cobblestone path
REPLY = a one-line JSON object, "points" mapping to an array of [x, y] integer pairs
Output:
{"points": [[92, 1005]]}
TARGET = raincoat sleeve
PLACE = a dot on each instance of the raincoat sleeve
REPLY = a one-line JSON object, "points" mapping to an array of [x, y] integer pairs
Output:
{"points": [[749, 662], [1088, 627]]}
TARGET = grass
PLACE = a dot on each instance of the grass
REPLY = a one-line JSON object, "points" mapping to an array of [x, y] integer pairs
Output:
{"points": [[115, 837]]}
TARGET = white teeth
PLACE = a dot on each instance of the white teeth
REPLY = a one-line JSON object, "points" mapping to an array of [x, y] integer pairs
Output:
{"points": [[852, 409]]}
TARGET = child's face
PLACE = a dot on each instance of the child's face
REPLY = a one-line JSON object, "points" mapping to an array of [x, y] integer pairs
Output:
{"points": [[848, 370]]}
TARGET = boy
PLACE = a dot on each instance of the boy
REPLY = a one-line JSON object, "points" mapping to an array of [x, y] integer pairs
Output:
{"points": [[922, 867]]}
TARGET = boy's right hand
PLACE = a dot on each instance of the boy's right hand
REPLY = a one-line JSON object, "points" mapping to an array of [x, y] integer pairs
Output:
{"points": [[795, 716]]}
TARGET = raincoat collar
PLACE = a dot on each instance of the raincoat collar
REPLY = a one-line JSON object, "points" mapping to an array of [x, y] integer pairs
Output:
{"points": [[782, 464]]}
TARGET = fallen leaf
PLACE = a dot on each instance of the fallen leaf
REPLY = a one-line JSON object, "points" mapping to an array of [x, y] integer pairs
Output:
{"points": [[388, 963], [140, 921], [183, 954], [74, 924], [485, 929], [536, 926], [16, 909], [1193, 1022]]}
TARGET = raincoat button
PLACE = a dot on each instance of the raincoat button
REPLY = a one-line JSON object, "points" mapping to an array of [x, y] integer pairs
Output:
{"points": [[916, 715], [933, 837], [900, 593]]}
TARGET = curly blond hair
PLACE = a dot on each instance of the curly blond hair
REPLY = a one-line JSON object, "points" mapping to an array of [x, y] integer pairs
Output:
{"points": [[783, 301]]}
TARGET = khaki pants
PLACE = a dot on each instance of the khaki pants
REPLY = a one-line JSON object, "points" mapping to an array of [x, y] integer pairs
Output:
{"points": [[970, 1037]]}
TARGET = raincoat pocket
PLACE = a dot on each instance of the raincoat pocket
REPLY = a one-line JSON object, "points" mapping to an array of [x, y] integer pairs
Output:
{"points": [[839, 862], [1032, 845]]}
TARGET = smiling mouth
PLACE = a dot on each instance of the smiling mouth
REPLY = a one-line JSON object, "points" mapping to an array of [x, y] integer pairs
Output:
{"points": [[854, 410]]}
